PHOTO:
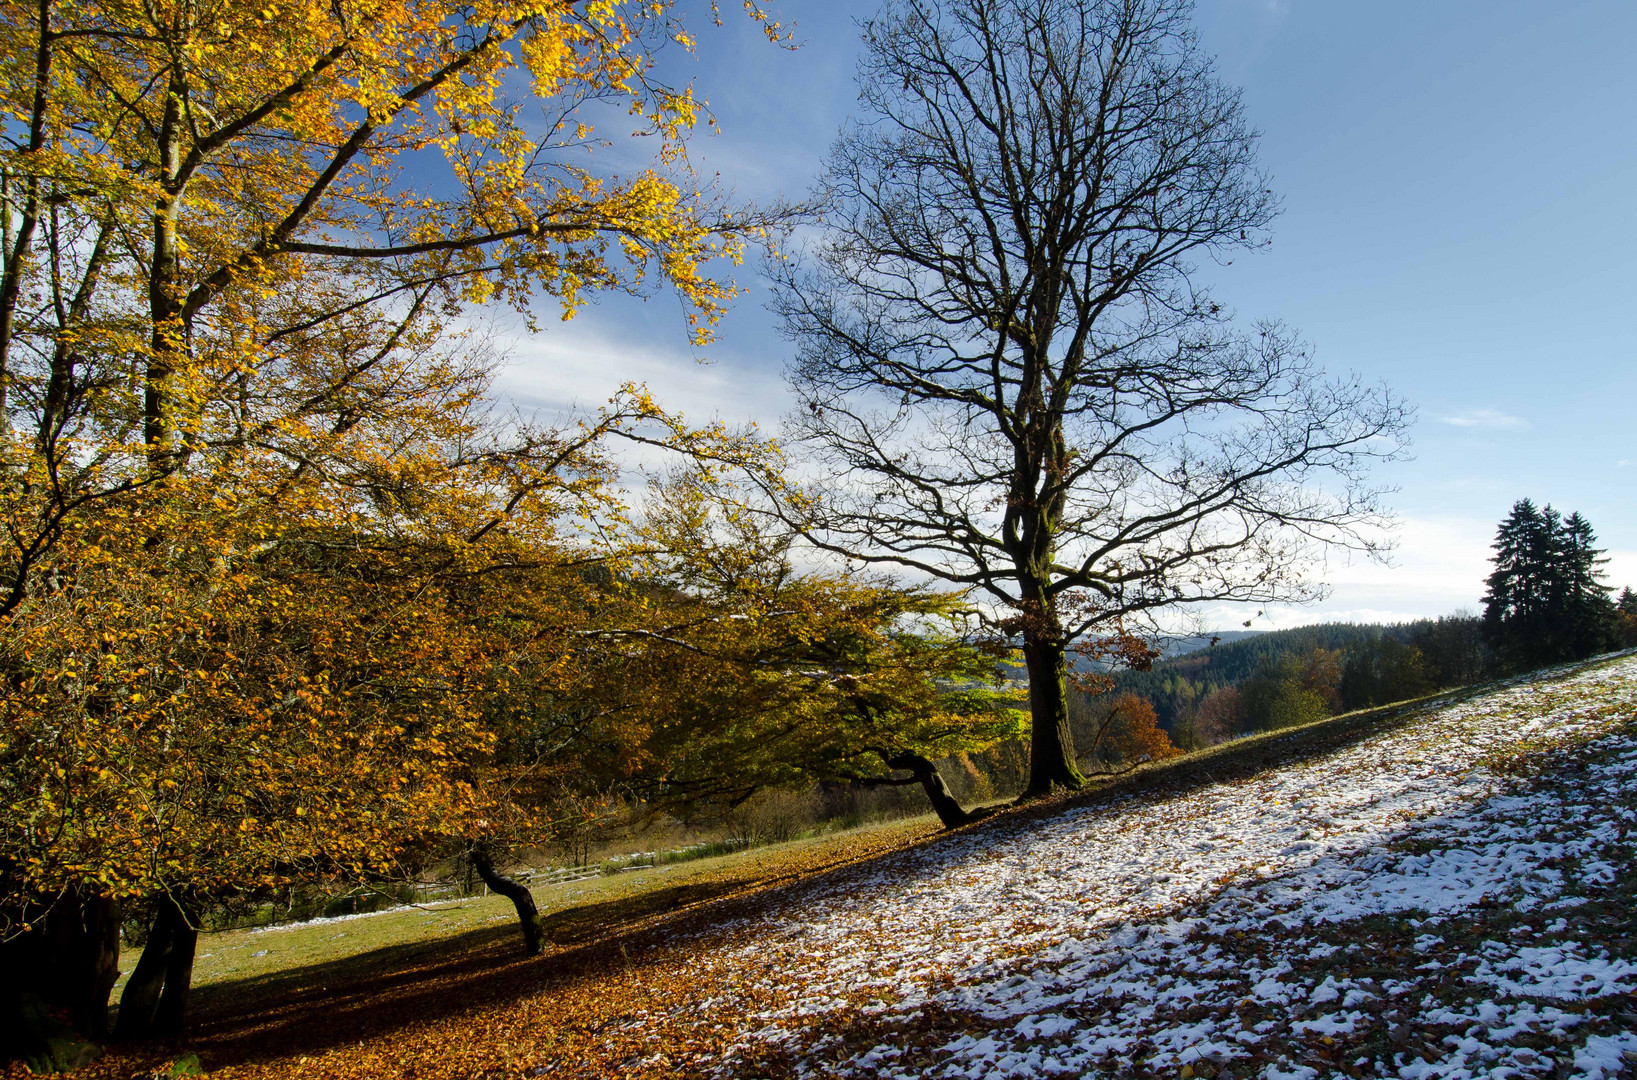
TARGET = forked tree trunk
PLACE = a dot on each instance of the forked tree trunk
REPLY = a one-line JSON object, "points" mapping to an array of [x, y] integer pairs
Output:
{"points": [[155, 999], [1051, 743], [528, 915], [98, 964], [170, 1018]]}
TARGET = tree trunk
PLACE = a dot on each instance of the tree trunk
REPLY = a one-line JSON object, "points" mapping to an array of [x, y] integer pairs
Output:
{"points": [[1051, 743], [139, 1006], [949, 811], [168, 335], [171, 1016], [67, 962], [528, 916], [60, 389], [99, 964]]}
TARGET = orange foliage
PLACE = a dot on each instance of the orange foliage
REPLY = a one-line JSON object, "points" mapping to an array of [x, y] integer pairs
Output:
{"points": [[270, 570], [1130, 734], [1221, 716]]}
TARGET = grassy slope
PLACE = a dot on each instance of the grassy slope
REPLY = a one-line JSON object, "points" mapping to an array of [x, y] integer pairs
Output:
{"points": [[240, 969], [418, 993], [1149, 1008]]}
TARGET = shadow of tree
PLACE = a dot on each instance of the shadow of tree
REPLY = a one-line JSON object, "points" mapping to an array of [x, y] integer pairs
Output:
{"points": [[310, 1009], [320, 1007]]}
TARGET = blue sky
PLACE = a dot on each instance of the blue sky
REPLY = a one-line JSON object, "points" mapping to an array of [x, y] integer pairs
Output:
{"points": [[1459, 182]]}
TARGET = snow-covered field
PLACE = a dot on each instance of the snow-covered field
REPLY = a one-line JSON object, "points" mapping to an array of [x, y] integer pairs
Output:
{"points": [[1432, 901]]}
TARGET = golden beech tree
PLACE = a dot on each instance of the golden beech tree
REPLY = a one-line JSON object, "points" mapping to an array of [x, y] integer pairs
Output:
{"points": [[206, 727], [245, 463], [221, 693], [197, 199]]}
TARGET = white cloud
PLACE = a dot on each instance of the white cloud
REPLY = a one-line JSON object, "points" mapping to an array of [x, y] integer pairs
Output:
{"points": [[569, 370], [1285, 618], [1438, 566], [1489, 419], [1621, 570], [577, 365]]}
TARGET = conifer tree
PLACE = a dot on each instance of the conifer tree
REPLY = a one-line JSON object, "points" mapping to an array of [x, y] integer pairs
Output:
{"points": [[1591, 621], [1545, 603]]}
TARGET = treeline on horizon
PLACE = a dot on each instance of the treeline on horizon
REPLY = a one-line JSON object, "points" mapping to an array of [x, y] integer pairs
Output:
{"points": [[1349, 665], [1545, 604]]}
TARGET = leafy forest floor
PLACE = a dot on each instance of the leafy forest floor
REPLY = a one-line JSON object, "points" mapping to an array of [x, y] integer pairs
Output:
{"points": [[1444, 889], [246, 968]]}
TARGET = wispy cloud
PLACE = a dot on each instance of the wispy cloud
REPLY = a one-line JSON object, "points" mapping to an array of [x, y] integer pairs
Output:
{"points": [[1491, 419], [578, 365], [1438, 567]]}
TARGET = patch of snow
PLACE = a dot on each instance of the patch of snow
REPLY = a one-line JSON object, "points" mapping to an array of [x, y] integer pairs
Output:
{"points": [[1605, 1055], [1116, 936]]}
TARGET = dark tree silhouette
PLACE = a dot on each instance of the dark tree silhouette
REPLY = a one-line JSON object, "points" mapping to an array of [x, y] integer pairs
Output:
{"points": [[1545, 603], [1008, 364]]}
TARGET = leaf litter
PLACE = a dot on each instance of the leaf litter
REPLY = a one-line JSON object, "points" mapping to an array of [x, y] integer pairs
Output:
{"points": [[1449, 897]]}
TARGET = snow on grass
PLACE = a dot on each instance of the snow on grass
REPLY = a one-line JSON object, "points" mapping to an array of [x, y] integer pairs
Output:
{"points": [[1415, 905]]}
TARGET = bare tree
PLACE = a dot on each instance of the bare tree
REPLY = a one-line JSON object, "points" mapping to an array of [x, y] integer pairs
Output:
{"points": [[1006, 360]]}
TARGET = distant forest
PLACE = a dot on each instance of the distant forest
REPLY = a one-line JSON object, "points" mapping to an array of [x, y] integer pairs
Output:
{"points": [[1545, 603], [1357, 665], [1260, 681]]}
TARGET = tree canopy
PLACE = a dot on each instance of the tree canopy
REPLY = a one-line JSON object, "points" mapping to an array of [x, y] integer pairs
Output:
{"points": [[1007, 361], [224, 227], [274, 569]]}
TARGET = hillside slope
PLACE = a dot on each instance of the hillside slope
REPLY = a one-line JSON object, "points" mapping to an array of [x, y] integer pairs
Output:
{"points": [[1445, 893], [1398, 908]]}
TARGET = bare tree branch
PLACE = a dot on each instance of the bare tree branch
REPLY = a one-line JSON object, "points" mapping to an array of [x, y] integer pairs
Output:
{"points": [[1007, 363]]}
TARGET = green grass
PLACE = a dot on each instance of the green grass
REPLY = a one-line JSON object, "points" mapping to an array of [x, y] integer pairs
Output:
{"points": [[232, 962], [252, 959]]}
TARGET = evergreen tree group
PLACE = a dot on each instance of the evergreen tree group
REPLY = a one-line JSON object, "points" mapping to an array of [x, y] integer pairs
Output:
{"points": [[1545, 603]]}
